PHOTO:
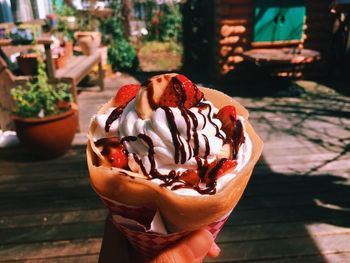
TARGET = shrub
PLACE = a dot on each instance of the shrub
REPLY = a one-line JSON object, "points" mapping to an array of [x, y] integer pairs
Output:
{"points": [[121, 55], [170, 23]]}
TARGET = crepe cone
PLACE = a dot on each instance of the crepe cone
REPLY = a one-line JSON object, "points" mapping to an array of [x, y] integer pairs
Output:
{"points": [[180, 213], [150, 244]]}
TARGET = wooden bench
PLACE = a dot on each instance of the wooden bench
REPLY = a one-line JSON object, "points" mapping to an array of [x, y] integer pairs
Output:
{"points": [[76, 69]]}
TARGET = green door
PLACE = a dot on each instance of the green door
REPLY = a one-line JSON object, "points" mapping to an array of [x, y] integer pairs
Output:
{"points": [[279, 20]]}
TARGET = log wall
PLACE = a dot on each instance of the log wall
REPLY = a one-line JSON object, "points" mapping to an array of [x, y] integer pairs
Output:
{"points": [[234, 22]]}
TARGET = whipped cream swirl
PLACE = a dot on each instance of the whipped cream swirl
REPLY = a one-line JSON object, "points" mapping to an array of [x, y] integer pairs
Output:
{"points": [[179, 137]]}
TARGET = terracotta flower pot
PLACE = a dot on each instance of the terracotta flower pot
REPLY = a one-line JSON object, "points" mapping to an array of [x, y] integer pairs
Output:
{"points": [[89, 42], [50, 136], [60, 62], [68, 49]]}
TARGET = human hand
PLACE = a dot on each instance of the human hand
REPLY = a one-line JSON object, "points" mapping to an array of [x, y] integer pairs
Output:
{"points": [[194, 248]]}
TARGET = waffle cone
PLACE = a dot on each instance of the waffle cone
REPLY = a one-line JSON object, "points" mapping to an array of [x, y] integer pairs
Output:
{"points": [[179, 212]]}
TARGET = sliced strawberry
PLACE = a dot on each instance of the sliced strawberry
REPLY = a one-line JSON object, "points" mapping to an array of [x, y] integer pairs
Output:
{"points": [[170, 97], [180, 92], [227, 165], [190, 177], [117, 157], [228, 116], [126, 94], [115, 152], [217, 169]]}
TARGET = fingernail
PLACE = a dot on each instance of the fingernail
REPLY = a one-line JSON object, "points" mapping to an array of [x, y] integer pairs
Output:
{"points": [[200, 243], [215, 250]]}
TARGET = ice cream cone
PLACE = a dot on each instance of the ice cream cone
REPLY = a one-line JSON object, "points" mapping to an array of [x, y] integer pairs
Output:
{"points": [[180, 213]]}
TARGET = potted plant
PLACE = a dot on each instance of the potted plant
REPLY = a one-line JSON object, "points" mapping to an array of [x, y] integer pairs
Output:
{"points": [[66, 36], [59, 57], [87, 35], [45, 117]]}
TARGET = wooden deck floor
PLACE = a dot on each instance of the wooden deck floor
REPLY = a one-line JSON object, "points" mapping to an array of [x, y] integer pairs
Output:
{"points": [[295, 209]]}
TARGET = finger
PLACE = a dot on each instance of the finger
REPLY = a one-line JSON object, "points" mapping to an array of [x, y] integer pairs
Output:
{"points": [[214, 251], [192, 249]]}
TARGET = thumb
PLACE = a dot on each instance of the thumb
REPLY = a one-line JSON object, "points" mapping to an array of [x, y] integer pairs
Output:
{"points": [[192, 249]]}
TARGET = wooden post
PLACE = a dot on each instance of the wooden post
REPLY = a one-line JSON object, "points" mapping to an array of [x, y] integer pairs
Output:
{"points": [[126, 11], [101, 75], [49, 62]]}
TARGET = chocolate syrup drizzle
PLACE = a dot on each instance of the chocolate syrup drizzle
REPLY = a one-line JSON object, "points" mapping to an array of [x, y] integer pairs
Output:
{"points": [[207, 181], [237, 139], [112, 117]]}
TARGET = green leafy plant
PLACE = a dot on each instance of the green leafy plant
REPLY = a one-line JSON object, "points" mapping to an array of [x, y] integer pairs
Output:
{"points": [[67, 10], [111, 28], [63, 26], [164, 22], [122, 55], [64, 30], [170, 23], [38, 98]]}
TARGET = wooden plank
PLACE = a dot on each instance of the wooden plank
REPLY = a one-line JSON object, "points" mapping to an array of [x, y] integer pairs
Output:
{"points": [[43, 187], [329, 258], [299, 157], [51, 69], [52, 218], [234, 22], [282, 230], [73, 259], [37, 205], [41, 251], [303, 168], [235, 2], [19, 235], [281, 248], [341, 198], [262, 215], [76, 72], [35, 175]]}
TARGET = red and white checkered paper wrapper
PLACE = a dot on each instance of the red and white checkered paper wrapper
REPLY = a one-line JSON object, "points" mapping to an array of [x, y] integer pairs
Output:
{"points": [[144, 228]]}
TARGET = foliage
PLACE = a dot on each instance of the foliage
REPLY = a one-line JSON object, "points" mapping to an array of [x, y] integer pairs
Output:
{"points": [[122, 55], [38, 97], [63, 27], [163, 21], [111, 28], [67, 10], [64, 30], [86, 22], [170, 23]]}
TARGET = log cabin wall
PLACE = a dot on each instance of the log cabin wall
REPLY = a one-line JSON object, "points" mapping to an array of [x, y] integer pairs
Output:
{"points": [[234, 21]]}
